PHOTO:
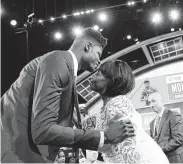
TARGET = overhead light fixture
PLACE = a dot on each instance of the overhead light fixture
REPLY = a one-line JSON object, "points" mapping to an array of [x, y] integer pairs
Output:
{"points": [[52, 19], [58, 35], [77, 30], [40, 21], [102, 17], [13, 22], [157, 18], [64, 16], [96, 27], [172, 29], [174, 14], [128, 37]]}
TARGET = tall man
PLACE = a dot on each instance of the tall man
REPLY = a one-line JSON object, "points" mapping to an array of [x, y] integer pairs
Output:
{"points": [[167, 129], [38, 107]]}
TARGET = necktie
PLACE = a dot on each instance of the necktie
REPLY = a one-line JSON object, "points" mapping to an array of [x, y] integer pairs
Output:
{"points": [[157, 125]]}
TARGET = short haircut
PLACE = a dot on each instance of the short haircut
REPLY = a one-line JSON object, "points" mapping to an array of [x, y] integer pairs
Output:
{"points": [[94, 36], [146, 81], [119, 76]]}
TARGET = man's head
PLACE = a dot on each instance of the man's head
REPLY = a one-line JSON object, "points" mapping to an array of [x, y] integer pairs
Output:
{"points": [[147, 83], [89, 46], [156, 102]]}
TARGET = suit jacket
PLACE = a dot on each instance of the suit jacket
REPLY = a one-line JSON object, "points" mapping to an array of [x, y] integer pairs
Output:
{"points": [[170, 133], [38, 109]]}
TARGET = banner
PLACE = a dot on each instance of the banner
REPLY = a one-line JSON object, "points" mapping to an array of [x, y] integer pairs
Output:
{"points": [[175, 86]]}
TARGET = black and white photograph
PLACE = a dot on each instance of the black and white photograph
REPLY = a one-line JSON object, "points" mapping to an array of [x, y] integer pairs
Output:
{"points": [[92, 81]]}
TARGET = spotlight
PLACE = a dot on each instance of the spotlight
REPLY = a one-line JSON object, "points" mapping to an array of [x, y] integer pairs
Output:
{"points": [[101, 30], [13, 22], [157, 18], [88, 11], [82, 12], [174, 14], [92, 10], [96, 27], [40, 21], [144, 1], [180, 29], [136, 39], [57, 35], [129, 37], [131, 3], [77, 31], [52, 19], [102, 17], [64, 16], [172, 29]]}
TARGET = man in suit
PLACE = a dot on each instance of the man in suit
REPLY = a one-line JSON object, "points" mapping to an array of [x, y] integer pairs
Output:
{"points": [[167, 129], [38, 107]]}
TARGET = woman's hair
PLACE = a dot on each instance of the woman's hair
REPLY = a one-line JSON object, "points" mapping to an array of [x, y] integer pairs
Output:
{"points": [[120, 79]]}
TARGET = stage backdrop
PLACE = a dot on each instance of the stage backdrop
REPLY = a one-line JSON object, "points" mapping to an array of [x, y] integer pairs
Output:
{"points": [[169, 86]]}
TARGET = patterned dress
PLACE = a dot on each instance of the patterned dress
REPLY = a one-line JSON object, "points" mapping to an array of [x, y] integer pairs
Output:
{"points": [[133, 150]]}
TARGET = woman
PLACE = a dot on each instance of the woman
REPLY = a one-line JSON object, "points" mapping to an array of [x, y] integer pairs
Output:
{"points": [[114, 81]]}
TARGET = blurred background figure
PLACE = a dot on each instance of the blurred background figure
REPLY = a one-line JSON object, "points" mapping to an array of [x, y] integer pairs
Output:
{"points": [[167, 129], [147, 91], [60, 158]]}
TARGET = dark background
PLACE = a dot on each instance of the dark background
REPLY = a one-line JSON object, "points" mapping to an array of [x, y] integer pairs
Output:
{"points": [[122, 21]]}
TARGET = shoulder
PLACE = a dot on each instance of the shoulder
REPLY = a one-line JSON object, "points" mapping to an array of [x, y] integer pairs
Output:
{"points": [[120, 101], [172, 112], [120, 105]]}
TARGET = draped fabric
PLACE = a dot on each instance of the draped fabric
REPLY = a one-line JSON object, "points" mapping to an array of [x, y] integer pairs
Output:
{"points": [[133, 150]]}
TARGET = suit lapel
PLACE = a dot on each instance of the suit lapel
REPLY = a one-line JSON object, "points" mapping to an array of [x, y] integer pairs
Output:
{"points": [[164, 116]]}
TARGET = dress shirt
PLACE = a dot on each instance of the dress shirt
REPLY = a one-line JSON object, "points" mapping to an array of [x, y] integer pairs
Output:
{"points": [[101, 143]]}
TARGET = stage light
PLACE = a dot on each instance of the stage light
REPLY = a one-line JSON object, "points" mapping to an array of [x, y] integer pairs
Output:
{"points": [[58, 35], [88, 11], [180, 29], [157, 18], [13, 22], [131, 3], [76, 14], [136, 39], [102, 17], [174, 14], [144, 1], [129, 37], [52, 19], [172, 29], [82, 12], [96, 27], [64, 16], [77, 30], [101, 30], [92, 10], [40, 21]]}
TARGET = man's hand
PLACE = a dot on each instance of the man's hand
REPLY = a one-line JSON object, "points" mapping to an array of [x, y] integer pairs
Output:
{"points": [[119, 131]]}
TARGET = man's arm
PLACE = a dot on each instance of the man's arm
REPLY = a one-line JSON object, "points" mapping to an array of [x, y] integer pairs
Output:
{"points": [[176, 125], [51, 78]]}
